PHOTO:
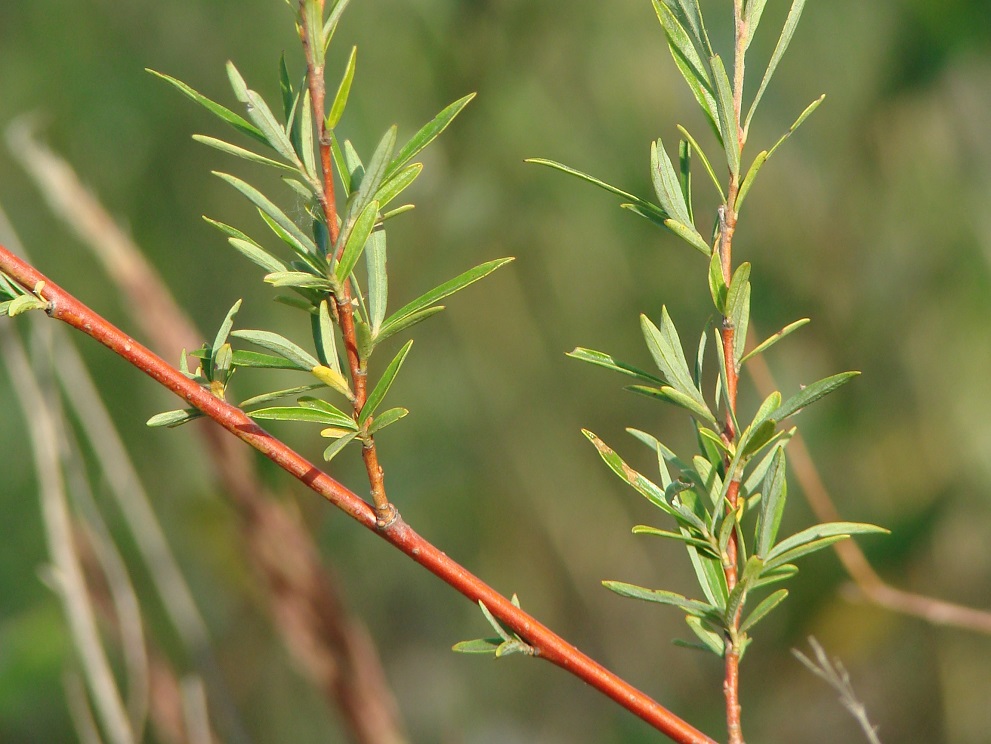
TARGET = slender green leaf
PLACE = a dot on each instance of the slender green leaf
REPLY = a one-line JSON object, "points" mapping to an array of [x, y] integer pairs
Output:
{"points": [[775, 493], [395, 185], [685, 176], [798, 122], [783, 41], [257, 360], [671, 395], [387, 418], [636, 200], [640, 484], [281, 346], [286, 89], [763, 609], [770, 341], [665, 347], [687, 59], [424, 302], [224, 330], [690, 235], [477, 646], [751, 572], [390, 329], [736, 290], [262, 116], [258, 255], [711, 578], [312, 17], [820, 531], [378, 280], [427, 134], [276, 394], [666, 184], [642, 529], [690, 606], [172, 419], [338, 445], [748, 180], [300, 242], [300, 413], [356, 241], [811, 394], [740, 315], [240, 152], [325, 336], [343, 90], [330, 25], [384, 383], [752, 14], [300, 279], [236, 121], [705, 162], [710, 640], [601, 359], [728, 126], [717, 283]]}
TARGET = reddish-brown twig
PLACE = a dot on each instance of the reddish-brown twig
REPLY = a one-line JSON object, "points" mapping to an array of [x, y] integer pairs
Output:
{"points": [[545, 643]]}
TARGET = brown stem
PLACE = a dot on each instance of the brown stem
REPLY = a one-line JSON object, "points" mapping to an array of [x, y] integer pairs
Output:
{"points": [[544, 642]]}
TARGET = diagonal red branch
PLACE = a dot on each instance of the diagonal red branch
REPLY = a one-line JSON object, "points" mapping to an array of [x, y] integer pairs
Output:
{"points": [[546, 644]]}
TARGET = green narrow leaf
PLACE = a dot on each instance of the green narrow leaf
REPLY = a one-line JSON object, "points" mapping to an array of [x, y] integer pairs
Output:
{"points": [[600, 359], [717, 283], [711, 640], [300, 242], [343, 90], [690, 606], [378, 280], [313, 25], [395, 185], [740, 315], [281, 346], [705, 162], [640, 484], [770, 341], [687, 59], [172, 419], [676, 397], [224, 330], [736, 291], [387, 418], [384, 383], [257, 360], [330, 25], [306, 148], [798, 122], [642, 529], [370, 181], [325, 336], [666, 184], [665, 347], [338, 445], [356, 241], [276, 394], [307, 415], [647, 207], [240, 152], [748, 180], [727, 115], [783, 41], [752, 14], [262, 116], [811, 394], [820, 531], [685, 176], [225, 114], [477, 646], [299, 279], [775, 493], [710, 576], [427, 134], [763, 609], [417, 307], [286, 89], [690, 235]]}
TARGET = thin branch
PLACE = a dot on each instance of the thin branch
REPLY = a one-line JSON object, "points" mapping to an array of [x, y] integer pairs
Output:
{"points": [[548, 645], [867, 582]]}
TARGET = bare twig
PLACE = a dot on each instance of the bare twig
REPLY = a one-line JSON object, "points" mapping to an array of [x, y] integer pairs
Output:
{"points": [[548, 645], [836, 676]]}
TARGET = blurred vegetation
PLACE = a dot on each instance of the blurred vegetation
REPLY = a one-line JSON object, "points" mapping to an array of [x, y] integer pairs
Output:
{"points": [[873, 221]]}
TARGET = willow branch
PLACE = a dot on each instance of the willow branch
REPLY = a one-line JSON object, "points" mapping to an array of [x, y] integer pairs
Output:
{"points": [[545, 643]]}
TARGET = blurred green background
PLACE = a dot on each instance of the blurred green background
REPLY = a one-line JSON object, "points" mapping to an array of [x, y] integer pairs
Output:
{"points": [[873, 221]]}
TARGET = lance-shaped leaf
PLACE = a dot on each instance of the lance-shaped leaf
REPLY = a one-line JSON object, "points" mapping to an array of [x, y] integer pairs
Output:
{"points": [[421, 308], [371, 180], [257, 360], [607, 361], [387, 418], [393, 186], [820, 531], [338, 445], [676, 397], [751, 15], [811, 394], [751, 573], [783, 41], [281, 346], [690, 606], [640, 484], [262, 116], [705, 162], [356, 240], [686, 56], [240, 152], [703, 545], [685, 175], [645, 207], [172, 419], [224, 330], [689, 234], [384, 383], [249, 248], [711, 641], [763, 609], [427, 134], [300, 242], [740, 315], [225, 114], [717, 283], [798, 122], [299, 280], [775, 492], [343, 90], [312, 18], [728, 126], [378, 280], [276, 394], [302, 413], [709, 573], [665, 347], [771, 340], [330, 25], [667, 185]]}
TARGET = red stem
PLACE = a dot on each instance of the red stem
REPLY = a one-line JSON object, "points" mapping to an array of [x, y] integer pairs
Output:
{"points": [[545, 643]]}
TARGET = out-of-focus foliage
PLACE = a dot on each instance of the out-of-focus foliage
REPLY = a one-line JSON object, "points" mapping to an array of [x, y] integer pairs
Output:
{"points": [[874, 220]]}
